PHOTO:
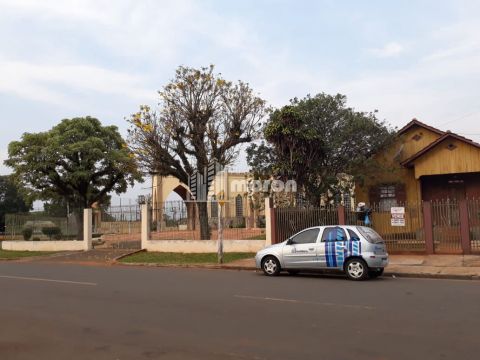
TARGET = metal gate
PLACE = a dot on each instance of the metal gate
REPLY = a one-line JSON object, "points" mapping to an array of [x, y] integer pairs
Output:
{"points": [[446, 226], [118, 227], [289, 221]]}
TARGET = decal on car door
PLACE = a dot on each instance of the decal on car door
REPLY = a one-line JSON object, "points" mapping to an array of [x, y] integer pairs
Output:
{"points": [[337, 251]]}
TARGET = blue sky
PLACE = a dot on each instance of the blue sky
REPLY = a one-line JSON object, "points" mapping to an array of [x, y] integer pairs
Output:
{"points": [[61, 59]]}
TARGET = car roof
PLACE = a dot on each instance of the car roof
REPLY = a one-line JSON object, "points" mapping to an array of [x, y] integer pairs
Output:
{"points": [[325, 226]]}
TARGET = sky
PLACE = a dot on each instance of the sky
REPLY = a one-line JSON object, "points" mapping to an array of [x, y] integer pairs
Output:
{"points": [[63, 59]]}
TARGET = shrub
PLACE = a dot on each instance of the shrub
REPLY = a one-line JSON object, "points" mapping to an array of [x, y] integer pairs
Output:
{"points": [[27, 233], [52, 231]]}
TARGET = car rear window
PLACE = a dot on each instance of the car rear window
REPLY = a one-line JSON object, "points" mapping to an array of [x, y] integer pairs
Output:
{"points": [[370, 234]]}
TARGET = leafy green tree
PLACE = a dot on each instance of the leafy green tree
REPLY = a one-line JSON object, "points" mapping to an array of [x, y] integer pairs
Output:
{"points": [[78, 160], [56, 208], [202, 118], [318, 141], [11, 200]]}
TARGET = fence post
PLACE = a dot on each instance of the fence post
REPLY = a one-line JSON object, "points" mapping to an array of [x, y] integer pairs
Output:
{"points": [[428, 227], [464, 227], [145, 226], [87, 229], [268, 222], [341, 215], [271, 234]]}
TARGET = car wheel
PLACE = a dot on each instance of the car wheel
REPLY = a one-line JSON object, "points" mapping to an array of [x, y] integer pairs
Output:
{"points": [[356, 269], [375, 273], [271, 266], [293, 272]]}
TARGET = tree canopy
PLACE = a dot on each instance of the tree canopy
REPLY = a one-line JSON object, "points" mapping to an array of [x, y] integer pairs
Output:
{"points": [[317, 141], [202, 118], [11, 200], [79, 161]]}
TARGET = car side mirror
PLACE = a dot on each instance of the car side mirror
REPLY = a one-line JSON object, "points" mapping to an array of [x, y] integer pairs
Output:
{"points": [[289, 241]]}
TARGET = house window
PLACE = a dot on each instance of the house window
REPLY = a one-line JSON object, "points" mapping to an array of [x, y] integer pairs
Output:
{"points": [[388, 197]]}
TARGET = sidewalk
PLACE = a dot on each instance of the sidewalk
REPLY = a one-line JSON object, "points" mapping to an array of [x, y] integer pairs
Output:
{"points": [[427, 266], [435, 266]]}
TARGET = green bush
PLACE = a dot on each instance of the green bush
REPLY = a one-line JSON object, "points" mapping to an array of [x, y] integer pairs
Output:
{"points": [[52, 231], [27, 233]]}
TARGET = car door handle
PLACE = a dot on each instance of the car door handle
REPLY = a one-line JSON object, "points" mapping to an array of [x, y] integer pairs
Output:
{"points": [[311, 249]]}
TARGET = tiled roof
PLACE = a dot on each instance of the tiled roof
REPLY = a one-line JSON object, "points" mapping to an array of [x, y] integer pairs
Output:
{"points": [[415, 122]]}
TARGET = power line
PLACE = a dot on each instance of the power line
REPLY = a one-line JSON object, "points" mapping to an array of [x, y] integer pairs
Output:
{"points": [[461, 117]]}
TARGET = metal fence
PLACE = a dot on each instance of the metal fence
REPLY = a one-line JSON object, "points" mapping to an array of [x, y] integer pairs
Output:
{"points": [[37, 226], [410, 237], [289, 221], [179, 220], [474, 223]]}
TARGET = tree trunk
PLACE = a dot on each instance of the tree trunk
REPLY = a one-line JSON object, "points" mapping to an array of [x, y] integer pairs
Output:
{"points": [[203, 220], [78, 213]]}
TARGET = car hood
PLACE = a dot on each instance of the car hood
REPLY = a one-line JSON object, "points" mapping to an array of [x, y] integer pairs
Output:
{"points": [[273, 247]]}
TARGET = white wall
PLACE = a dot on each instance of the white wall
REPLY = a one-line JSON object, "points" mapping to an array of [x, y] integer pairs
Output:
{"points": [[70, 245], [202, 246]]}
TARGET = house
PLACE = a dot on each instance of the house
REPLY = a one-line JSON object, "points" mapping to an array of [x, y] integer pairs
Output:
{"points": [[423, 164]]}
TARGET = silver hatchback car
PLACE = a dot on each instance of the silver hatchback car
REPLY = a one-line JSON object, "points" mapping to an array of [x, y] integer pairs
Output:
{"points": [[357, 250]]}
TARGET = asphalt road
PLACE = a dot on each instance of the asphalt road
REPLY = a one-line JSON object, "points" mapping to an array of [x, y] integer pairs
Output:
{"points": [[59, 311]]}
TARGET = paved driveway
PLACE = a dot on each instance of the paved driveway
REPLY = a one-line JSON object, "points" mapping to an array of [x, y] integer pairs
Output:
{"points": [[59, 311]]}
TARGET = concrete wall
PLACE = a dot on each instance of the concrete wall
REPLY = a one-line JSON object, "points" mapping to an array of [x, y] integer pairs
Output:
{"points": [[20, 245], [202, 246]]}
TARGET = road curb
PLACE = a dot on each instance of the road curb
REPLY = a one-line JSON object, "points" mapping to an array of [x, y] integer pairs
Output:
{"points": [[115, 260], [189, 266], [250, 268], [433, 276]]}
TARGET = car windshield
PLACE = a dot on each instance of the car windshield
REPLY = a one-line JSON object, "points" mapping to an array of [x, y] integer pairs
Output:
{"points": [[370, 234]]}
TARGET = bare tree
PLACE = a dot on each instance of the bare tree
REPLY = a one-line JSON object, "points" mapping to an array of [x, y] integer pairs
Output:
{"points": [[201, 118]]}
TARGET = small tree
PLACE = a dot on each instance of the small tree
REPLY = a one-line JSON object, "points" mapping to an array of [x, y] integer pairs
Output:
{"points": [[78, 160], [202, 118], [11, 200]]}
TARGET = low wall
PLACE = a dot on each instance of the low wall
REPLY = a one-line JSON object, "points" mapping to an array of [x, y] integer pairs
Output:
{"points": [[20, 245], [202, 246]]}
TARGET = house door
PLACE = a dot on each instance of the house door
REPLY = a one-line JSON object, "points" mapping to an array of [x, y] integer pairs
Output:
{"points": [[457, 190], [445, 192]]}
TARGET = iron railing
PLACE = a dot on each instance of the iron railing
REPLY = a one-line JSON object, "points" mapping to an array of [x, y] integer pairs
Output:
{"points": [[179, 220]]}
